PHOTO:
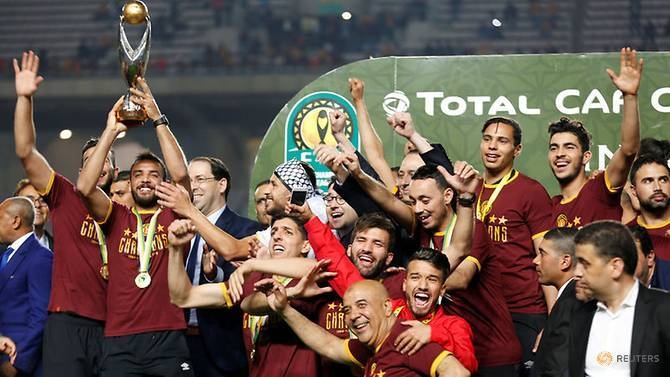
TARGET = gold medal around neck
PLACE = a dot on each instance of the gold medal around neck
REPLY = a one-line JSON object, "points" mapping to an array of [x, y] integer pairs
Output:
{"points": [[484, 209], [142, 280], [104, 271]]}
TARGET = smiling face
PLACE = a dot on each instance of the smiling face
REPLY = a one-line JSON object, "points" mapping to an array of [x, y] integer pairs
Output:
{"points": [[430, 204], [287, 240], [497, 148], [369, 252], [41, 208], [208, 192], [260, 198], [108, 171], [566, 158], [277, 198], [423, 286], [145, 175], [367, 310], [408, 167], [340, 214]]}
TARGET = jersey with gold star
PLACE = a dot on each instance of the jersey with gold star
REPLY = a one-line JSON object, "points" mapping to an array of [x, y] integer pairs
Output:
{"points": [[77, 286], [520, 213], [596, 200], [386, 361], [132, 310]]}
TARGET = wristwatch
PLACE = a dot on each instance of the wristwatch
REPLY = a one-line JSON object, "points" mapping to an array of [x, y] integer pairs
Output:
{"points": [[466, 201], [162, 120]]}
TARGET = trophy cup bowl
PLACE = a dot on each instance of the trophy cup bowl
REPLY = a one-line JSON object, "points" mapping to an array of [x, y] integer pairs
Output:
{"points": [[133, 60]]}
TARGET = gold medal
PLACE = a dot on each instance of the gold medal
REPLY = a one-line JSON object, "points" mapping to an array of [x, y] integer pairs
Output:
{"points": [[484, 209], [142, 280], [104, 271]]}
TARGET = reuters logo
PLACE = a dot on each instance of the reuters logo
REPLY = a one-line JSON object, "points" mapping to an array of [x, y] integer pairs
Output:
{"points": [[394, 102], [604, 358], [309, 120], [562, 221]]}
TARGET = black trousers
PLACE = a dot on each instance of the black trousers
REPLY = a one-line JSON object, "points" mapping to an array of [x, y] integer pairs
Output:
{"points": [[72, 346]]}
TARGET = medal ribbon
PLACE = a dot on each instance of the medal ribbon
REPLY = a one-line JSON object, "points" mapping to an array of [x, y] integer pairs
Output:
{"points": [[494, 196], [446, 239], [101, 243], [144, 245]]}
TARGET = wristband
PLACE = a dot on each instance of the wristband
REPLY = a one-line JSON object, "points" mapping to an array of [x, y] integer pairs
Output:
{"points": [[466, 201], [162, 120]]}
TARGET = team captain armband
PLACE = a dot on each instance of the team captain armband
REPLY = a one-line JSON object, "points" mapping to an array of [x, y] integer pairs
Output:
{"points": [[226, 295]]}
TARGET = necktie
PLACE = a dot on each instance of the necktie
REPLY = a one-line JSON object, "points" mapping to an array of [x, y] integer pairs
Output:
{"points": [[193, 258], [5, 257]]}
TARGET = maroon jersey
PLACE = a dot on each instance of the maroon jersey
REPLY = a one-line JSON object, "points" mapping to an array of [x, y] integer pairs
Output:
{"points": [[520, 213], [277, 350], [484, 308], [386, 361], [661, 242], [76, 283], [331, 318], [132, 310], [596, 200]]}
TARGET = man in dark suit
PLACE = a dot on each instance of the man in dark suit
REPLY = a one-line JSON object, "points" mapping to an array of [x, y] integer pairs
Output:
{"points": [[555, 265], [214, 336], [624, 330], [25, 285]]}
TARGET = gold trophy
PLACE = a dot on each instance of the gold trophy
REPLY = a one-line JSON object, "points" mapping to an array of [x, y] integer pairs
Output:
{"points": [[133, 60]]}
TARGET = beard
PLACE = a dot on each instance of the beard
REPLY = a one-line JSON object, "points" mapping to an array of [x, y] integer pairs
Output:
{"points": [[372, 273], [107, 184], [655, 207], [143, 202]]}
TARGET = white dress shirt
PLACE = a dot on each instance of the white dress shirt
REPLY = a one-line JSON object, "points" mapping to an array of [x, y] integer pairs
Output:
{"points": [[17, 243]]}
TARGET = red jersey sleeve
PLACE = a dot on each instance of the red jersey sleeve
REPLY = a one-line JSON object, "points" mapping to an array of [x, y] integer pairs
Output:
{"points": [[326, 246], [427, 359], [455, 335], [538, 209]]}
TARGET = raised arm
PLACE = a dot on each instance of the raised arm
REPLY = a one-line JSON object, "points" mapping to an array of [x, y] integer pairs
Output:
{"points": [[402, 124], [393, 206], [175, 160], [313, 335], [182, 293], [178, 199], [96, 200], [628, 81], [27, 81], [371, 142]]}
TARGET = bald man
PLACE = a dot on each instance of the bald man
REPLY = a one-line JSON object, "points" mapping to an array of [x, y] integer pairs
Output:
{"points": [[368, 312], [25, 284]]}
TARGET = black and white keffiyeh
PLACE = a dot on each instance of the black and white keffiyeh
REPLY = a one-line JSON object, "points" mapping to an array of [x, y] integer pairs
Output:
{"points": [[293, 175]]}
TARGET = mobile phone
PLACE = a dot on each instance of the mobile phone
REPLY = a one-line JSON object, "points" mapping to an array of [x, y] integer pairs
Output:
{"points": [[298, 196]]}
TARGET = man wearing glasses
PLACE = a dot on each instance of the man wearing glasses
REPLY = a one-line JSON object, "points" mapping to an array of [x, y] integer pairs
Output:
{"points": [[341, 216], [209, 328], [25, 188]]}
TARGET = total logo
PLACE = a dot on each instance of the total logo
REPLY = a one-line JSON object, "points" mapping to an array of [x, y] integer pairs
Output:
{"points": [[395, 102]]}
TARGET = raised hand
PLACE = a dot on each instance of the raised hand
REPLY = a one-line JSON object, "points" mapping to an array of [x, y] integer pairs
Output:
{"points": [[328, 156], [174, 197], [465, 178], [180, 232], [303, 212], [209, 258], [402, 124], [337, 121], [26, 78], [307, 286], [112, 119], [236, 281], [356, 88], [275, 292], [143, 97], [352, 164], [630, 72]]}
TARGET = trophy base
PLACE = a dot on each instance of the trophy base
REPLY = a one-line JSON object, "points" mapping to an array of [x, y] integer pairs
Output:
{"points": [[130, 114]]}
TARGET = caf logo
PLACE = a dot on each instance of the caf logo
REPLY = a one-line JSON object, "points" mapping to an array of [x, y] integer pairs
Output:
{"points": [[395, 101], [309, 120], [562, 220]]}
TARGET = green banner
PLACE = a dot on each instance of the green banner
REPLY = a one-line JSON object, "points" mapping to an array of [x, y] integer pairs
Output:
{"points": [[451, 97]]}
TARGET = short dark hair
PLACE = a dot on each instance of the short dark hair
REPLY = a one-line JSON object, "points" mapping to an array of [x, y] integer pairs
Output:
{"points": [[647, 159], [261, 183], [649, 145], [148, 156], [375, 220], [509, 122], [219, 170], [641, 235], [563, 238], [435, 258], [296, 220], [124, 175], [92, 142], [611, 240], [20, 185], [429, 171], [573, 126]]}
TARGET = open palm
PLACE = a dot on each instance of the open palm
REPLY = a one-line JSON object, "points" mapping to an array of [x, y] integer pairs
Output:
{"points": [[630, 72], [26, 77]]}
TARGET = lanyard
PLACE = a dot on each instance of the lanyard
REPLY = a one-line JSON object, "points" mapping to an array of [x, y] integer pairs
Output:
{"points": [[484, 208]]}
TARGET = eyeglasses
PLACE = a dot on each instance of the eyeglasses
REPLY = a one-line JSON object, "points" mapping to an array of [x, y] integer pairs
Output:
{"points": [[200, 179], [37, 200], [338, 199]]}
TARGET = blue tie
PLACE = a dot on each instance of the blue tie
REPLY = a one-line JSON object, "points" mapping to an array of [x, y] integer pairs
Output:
{"points": [[193, 258], [5, 257]]}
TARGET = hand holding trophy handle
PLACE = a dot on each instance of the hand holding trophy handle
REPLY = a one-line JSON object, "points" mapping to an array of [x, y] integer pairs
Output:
{"points": [[134, 61]]}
